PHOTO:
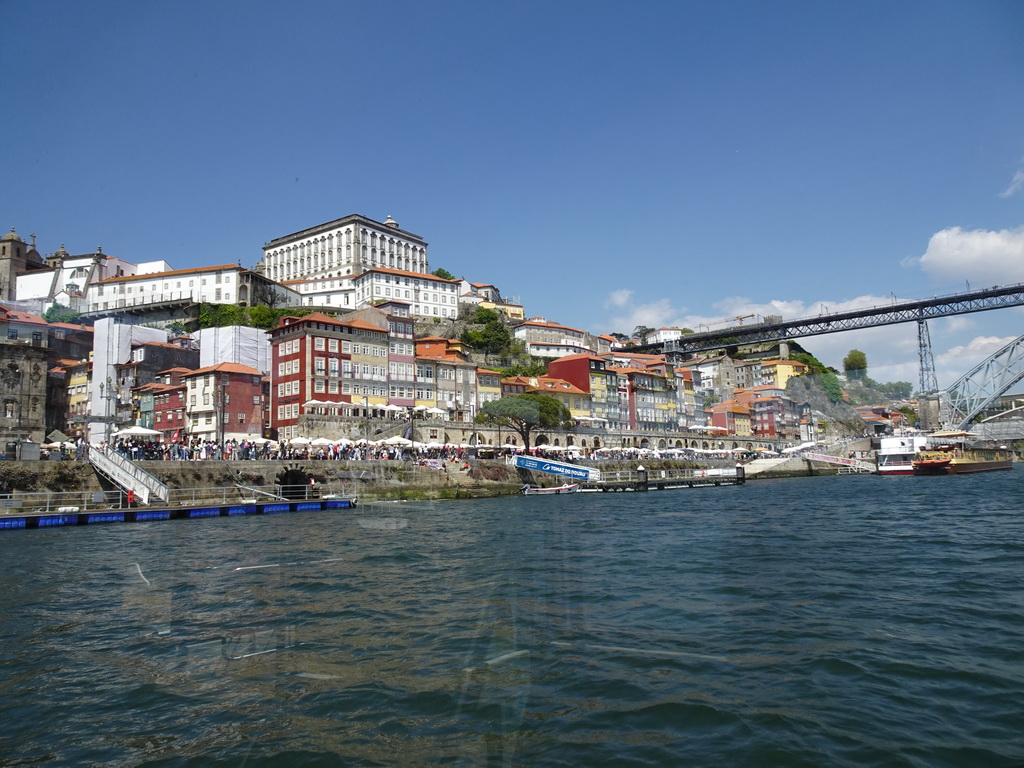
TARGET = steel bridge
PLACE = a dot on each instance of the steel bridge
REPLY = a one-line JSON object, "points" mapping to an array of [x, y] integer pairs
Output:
{"points": [[997, 297], [960, 404]]}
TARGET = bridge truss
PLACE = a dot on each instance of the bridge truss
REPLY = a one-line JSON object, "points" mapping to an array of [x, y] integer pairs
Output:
{"points": [[980, 387], [997, 297]]}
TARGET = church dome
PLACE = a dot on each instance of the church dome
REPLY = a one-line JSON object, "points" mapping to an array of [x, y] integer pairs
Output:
{"points": [[12, 235], [389, 222]]}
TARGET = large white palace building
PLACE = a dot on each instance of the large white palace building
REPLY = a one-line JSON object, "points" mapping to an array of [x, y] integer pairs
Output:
{"points": [[347, 246]]}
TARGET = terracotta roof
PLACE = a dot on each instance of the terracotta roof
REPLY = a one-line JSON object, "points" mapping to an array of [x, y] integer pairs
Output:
{"points": [[546, 324], [403, 273], [581, 356], [225, 368], [173, 273]]}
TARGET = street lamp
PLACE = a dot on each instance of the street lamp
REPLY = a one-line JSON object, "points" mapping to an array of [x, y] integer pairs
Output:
{"points": [[106, 393]]}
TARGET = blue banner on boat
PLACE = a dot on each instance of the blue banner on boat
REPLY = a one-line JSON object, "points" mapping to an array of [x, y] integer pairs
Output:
{"points": [[556, 468]]}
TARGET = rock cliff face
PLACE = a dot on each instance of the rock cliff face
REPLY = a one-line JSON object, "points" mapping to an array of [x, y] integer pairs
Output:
{"points": [[841, 416]]}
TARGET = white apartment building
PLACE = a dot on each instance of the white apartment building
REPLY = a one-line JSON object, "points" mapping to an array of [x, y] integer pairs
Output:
{"points": [[325, 292], [547, 339], [66, 278], [223, 284], [346, 246], [427, 295]]}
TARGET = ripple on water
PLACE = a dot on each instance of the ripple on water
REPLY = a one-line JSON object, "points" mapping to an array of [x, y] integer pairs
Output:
{"points": [[846, 621]]}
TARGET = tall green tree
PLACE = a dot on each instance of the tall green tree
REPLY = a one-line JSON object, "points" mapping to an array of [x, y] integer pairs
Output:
{"points": [[641, 332], [524, 414], [855, 365], [444, 274]]}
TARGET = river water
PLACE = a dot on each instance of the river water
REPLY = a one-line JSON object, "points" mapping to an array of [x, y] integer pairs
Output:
{"points": [[837, 621]]}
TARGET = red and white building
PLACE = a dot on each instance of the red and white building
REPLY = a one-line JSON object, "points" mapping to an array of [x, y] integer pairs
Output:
{"points": [[227, 401]]}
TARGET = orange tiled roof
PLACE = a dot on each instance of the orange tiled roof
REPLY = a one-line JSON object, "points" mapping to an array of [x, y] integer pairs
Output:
{"points": [[225, 368]]}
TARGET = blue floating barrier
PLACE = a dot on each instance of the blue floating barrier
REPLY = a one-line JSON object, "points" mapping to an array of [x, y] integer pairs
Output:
{"points": [[47, 521], [105, 517], [155, 515]]}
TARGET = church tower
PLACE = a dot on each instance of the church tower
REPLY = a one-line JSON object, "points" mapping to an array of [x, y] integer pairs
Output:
{"points": [[16, 257]]}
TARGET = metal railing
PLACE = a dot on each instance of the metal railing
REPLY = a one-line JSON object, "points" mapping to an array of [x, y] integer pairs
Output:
{"points": [[128, 475], [69, 502]]}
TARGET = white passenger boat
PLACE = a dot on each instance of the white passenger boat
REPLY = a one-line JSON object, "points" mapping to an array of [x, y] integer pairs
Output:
{"points": [[529, 490]]}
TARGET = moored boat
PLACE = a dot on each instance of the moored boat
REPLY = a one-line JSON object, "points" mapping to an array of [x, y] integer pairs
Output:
{"points": [[952, 453], [895, 455], [529, 490]]}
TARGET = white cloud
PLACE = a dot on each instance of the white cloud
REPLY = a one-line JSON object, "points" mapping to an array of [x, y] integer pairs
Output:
{"points": [[980, 256], [619, 298], [958, 323], [655, 314], [1016, 184], [972, 353]]}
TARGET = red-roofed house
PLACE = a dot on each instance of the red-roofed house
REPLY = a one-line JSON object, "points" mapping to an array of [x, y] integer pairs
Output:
{"points": [[226, 401]]}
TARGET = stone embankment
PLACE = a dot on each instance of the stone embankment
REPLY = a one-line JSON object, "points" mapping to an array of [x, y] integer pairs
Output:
{"points": [[369, 480]]}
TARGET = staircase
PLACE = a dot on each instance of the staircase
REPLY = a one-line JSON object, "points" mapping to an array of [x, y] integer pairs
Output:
{"points": [[127, 475]]}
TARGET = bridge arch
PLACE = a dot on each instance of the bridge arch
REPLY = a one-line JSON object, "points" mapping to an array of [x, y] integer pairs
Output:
{"points": [[981, 386]]}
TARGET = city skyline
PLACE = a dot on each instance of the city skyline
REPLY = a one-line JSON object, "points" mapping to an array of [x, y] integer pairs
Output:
{"points": [[665, 165]]}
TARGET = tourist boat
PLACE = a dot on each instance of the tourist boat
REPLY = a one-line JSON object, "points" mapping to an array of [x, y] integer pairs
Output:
{"points": [[895, 455], [951, 453], [529, 490]]}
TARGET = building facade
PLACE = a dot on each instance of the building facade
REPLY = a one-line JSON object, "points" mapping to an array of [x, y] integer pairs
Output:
{"points": [[346, 246]]}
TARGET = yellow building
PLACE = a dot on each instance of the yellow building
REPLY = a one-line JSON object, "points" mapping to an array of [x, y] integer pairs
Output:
{"points": [[778, 372], [78, 378]]}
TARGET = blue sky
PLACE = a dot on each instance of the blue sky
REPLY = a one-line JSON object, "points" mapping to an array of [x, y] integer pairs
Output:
{"points": [[609, 164]]}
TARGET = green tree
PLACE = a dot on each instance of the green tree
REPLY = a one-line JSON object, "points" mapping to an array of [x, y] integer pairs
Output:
{"points": [[58, 313], [620, 337], [826, 377], [444, 274], [483, 315], [896, 390], [641, 332], [524, 414], [263, 317], [855, 365]]}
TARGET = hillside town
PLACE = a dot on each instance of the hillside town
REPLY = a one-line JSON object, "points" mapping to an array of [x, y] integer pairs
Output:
{"points": [[363, 344]]}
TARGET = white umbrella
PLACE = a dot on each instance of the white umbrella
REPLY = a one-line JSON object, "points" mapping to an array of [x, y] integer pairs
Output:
{"points": [[300, 441], [397, 440], [321, 441], [435, 410], [137, 432]]}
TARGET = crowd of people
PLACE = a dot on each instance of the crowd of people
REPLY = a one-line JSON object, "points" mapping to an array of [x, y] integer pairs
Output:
{"points": [[138, 449]]}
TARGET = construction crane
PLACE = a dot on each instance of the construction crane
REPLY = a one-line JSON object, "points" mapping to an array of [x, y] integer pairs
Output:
{"points": [[741, 318]]}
